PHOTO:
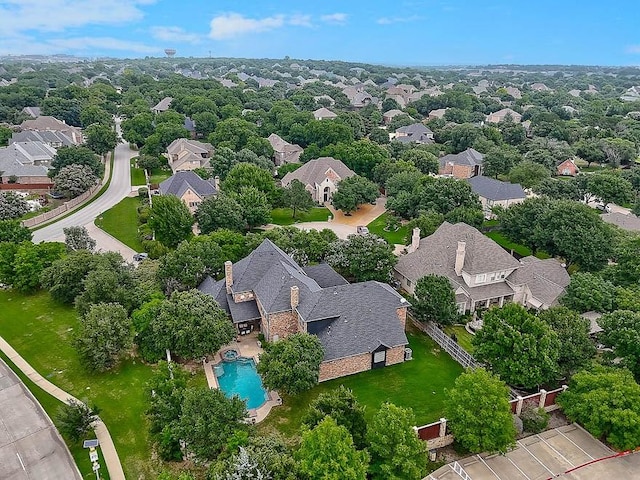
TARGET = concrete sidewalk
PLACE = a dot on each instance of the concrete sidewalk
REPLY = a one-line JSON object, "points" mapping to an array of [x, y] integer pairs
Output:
{"points": [[109, 453], [108, 243]]}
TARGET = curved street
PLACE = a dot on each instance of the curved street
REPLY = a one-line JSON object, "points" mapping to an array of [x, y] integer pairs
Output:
{"points": [[119, 188]]}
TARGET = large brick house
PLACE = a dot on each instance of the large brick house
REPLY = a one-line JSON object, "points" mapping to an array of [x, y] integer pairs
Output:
{"points": [[461, 165], [481, 272], [361, 325], [320, 177]]}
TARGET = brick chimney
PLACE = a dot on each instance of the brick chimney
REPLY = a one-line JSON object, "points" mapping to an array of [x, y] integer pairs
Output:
{"points": [[460, 252], [228, 275], [216, 183], [295, 297], [415, 240]]}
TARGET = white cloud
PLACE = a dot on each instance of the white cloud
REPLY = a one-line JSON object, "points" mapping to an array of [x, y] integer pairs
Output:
{"points": [[633, 49], [230, 25], [174, 34], [390, 20], [100, 44], [57, 15], [335, 18], [300, 20]]}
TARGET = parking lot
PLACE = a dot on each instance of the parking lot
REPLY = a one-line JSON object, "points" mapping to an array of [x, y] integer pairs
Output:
{"points": [[30, 446], [550, 454]]}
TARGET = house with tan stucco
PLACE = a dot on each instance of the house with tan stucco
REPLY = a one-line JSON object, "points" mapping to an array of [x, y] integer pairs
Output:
{"points": [[320, 177], [187, 154], [360, 325], [190, 188]]}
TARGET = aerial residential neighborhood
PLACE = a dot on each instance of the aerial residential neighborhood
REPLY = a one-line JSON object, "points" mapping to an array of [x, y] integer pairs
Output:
{"points": [[282, 243]]}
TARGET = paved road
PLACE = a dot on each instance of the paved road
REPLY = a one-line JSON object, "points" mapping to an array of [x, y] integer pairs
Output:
{"points": [[30, 446], [119, 188]]}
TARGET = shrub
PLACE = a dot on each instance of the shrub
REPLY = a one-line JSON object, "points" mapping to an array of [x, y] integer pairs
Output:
{"points": [[534, 420]]}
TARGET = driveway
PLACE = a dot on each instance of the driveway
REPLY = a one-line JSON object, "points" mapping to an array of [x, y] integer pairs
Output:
{"points": [[30, 446], [119, 188], [107, 243]]}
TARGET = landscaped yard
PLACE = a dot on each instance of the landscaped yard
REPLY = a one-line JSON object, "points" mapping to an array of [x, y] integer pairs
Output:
{"points": [[284, 216], [394, 237], [121, 221], [464, 337], [418, 384], [42, 331], [138, 178]]}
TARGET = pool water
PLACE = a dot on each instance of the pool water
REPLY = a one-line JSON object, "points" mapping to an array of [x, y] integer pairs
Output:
{"points": [[241, 378]]}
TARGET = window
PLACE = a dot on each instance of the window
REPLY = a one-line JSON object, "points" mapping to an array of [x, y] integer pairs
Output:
{"points": [[408, 282], [481, 278], [380, 357], [492, 277]]}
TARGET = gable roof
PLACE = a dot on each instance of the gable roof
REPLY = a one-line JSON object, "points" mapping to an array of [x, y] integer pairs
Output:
{"points": [[178, 183], [415, 129], [469, 157], [314, 172], [546, 279], [163, 105], [437, 254], [45, 136], [324, 113], [628, 222], [280, 145], [493, 189], [193, 146]]}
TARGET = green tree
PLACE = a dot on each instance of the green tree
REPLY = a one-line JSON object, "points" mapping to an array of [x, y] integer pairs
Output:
{"points": [[304, 246], [618, 151], [499, 160], [23, 264], [478, 412], [435, 301], [13, 231], [107, 283], [136, 129], [361, 156], [101, 138], [341, 405], [425, 161], [428, 222], [606, 401], [576, 348], [327, 452], [518, 346], [254, 205], [75, 155], [5, 135], [353, 192], [529, 174], [208, 420], [297, 197], [73, 180], [171, 220], [104, 336], [75, 419], [190, 324], [590, 150], [222, 211], [610, 187], [587, 292], [621, 331], [12, 206], [93, 114], [189, 264], [363, 257], [396, 451], [292, 365], [77, 238], [249, 175]]}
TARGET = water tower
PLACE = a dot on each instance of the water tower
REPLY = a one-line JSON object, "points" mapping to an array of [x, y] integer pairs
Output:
{"points": [[170, 52]]}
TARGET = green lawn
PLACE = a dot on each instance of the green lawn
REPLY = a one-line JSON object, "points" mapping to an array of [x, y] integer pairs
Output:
{"points": [[377, 227], [418, 384], [503, 241], [121, 221], [284, 216], [157, 175], [41, 331], [464, 337]]}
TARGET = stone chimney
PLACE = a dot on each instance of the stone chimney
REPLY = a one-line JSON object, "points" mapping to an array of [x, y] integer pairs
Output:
{"points": [[228, 275], [216, 183], [415, 240], [460, 257], [295, 297]]}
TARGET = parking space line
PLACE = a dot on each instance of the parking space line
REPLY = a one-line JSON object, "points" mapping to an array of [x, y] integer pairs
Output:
{"points": [[487, 465], [558, 430], [551, 447], [535, 458], [519, 469]]}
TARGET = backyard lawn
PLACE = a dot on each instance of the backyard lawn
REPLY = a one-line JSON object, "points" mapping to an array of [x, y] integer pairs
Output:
{"points": [[41, 331], [138, 178], [377, 227], [464, 337], [418, 383], [121, 221], [284, 216]]}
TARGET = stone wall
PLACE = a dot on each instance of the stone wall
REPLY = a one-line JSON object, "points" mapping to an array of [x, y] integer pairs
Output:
{"points": [[344, 366], [282, 324], [395, 355]]}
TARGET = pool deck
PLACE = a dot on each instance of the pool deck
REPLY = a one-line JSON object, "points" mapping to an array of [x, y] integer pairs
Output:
{"points": [[247, 346]]}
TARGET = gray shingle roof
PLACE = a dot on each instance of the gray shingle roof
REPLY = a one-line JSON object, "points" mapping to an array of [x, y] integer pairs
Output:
{"points": [[546, 279], [44, 136], [324, 275], [315, 171], [163, 104], [628, 222], [179, 182], [493, 189], [416, 129], [468, 157]]}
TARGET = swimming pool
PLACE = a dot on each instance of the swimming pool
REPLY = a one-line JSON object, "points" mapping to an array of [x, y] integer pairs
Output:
{"points": [[241, 378]]}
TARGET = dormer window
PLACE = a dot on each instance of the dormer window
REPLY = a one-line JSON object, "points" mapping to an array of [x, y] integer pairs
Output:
{"points": [[481, 278]]}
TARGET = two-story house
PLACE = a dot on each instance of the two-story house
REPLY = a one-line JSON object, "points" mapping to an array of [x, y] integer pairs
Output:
{"points": [[283, 151], [481, 272], [190, 188], [320, 177], [465, 164], [361, 325], [187, 154], [495, 193]]}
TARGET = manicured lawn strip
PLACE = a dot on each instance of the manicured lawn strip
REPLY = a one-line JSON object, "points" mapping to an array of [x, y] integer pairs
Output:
{"points": [[51, 406], [377, 227], [121, 221], [137, 174], [504, 242], [464, 337], [41, 331], [158, 175], [284, 216], [418, 384]]}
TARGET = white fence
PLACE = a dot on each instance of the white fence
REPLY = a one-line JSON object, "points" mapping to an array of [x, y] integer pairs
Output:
{"points": [[449, 345]]}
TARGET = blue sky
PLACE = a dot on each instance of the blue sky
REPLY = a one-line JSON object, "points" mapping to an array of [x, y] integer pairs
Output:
{"points": [[404, 32]]}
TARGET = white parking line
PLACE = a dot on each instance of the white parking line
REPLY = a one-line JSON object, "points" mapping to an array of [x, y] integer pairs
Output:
{"points": [[535, 458], [592, 458]]}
